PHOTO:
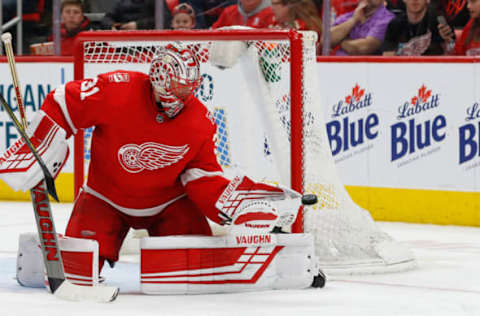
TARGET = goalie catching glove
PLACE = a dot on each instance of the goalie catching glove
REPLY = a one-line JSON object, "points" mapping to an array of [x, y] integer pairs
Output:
{"points": [[18, 167], [257, 208], [225, 54]]}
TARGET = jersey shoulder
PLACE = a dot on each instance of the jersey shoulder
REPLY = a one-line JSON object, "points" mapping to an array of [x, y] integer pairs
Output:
{"points": [[123, 86], [199, 119], [126, 77]]}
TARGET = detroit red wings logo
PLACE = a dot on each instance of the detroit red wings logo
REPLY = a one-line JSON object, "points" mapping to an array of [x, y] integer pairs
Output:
{"points": [[149, 156], [454, 7]]}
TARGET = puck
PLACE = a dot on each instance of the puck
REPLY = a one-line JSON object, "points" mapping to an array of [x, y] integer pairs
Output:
{"points": [[309, 199]]}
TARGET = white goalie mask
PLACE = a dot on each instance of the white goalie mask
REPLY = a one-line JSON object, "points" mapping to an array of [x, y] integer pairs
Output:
{"points": [[174, 74]]}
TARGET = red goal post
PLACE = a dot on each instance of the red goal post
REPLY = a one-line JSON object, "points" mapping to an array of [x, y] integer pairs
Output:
{"points": [[270, 125]]}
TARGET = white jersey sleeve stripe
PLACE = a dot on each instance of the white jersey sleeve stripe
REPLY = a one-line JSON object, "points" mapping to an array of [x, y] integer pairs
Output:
{"points": [[133, 211], [196, 173], [59, 96]]}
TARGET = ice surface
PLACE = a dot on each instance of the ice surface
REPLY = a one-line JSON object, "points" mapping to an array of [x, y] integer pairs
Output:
{"points": [[447, 281]]}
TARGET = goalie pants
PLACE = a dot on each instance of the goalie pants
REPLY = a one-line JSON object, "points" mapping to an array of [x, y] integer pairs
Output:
{"points": [[93, 218]]}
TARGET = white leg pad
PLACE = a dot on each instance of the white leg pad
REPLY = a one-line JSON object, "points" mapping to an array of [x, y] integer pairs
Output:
{"points": [[80, 261], [30, 268], [197, 265]]}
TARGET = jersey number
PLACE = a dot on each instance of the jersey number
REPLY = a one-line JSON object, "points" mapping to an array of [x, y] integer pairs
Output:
{"points": [[87, 88]]}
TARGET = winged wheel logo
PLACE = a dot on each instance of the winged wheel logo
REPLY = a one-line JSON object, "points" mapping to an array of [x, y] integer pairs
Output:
{"points": [[149, 156]]}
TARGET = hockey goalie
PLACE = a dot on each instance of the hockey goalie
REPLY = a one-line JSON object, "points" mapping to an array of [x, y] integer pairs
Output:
{"points": [[153, 167]]}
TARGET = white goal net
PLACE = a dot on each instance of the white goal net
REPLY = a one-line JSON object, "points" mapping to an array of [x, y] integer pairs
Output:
{"points": [[270, 126]]}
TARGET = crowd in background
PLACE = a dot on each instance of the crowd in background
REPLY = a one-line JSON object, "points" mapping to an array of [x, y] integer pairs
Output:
{"points": [[358, 27]]}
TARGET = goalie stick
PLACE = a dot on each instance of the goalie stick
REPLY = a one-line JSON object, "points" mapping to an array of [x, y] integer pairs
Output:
{"points": [[52, 258]]}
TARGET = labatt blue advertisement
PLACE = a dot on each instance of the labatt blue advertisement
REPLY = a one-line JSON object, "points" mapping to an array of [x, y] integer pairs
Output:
{"points": [[405, 140], [420, 130], [352, 126]]}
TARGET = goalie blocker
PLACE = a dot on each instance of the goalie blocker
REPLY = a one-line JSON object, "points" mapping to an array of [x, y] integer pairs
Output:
{"points": [[18, 167], [232, 263]]}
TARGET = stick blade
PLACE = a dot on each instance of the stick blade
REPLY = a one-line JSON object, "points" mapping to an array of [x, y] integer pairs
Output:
{"points": [[51, 187], [99, 293], [54, 283]]}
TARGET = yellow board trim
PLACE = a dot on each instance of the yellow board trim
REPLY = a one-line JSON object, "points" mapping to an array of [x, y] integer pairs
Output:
{"points": [[419, 206], [63, 184], [385, 204]]}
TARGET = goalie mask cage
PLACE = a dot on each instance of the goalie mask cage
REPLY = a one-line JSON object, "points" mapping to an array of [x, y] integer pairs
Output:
{"points": [[260, 86]]}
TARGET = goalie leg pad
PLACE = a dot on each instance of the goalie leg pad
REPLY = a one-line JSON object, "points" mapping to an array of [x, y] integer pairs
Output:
{"points": [[30, 268], [18, 167], [220, 264], [80, 261]]}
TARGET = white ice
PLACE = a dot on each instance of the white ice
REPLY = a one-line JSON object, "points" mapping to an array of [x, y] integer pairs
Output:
{"points": [[446, 282]]}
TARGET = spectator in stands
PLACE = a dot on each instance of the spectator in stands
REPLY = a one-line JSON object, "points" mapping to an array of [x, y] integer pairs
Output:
{"points": [[73, 22], [417, 32], [298, 15], [133, 15], [206, 11], [253, 13], [469, 42], [340, 7], [211, 10], [362, 31], [455, 11], [396, 6], [183, 17]]}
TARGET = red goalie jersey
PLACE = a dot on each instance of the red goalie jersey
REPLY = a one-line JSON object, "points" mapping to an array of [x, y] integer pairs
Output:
{"points": [[141, 160]]}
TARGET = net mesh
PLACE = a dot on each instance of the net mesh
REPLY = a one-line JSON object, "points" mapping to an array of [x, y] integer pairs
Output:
{"points": [[250, 102]]}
